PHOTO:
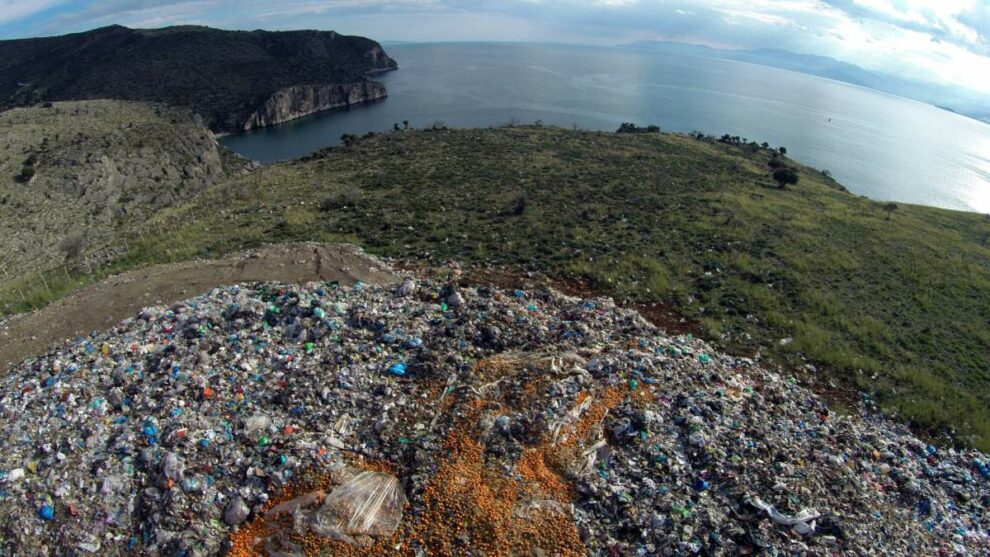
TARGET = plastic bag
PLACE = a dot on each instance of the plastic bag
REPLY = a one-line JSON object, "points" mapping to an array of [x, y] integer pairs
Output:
{"points": [[365, 503], [279, 546], [526, 509], [584, 463], [300, 509], [802, 523]]}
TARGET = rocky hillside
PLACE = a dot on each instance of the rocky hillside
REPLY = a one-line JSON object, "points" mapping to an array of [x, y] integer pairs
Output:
{"points": [[225, 76], [290, 420], [75, 176]]}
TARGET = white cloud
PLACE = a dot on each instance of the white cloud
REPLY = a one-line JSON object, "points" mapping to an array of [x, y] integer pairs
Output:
{"points": [[14, 10]]}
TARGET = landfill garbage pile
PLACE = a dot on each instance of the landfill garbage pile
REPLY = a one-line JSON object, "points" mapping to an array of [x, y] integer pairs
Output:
{"points": [[433, 418]]}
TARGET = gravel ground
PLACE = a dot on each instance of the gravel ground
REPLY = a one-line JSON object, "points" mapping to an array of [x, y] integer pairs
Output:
{"points": [[510, 422]]}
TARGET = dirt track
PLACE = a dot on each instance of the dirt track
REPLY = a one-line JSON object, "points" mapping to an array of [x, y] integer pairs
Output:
{"points": [[105, 303]]}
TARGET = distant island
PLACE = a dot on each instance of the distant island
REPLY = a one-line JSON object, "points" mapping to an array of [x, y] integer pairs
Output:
{"points": [[236, 80], [960, 101]]}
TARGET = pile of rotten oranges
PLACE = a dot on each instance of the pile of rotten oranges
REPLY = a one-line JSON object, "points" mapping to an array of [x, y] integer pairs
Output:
{"points": [[471, 505]]}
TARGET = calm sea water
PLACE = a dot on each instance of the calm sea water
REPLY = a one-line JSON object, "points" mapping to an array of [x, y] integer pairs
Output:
{"points": [[878, 145]]}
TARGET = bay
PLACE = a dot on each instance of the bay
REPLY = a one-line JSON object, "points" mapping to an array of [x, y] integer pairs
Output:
{"points": [[879, 145]]}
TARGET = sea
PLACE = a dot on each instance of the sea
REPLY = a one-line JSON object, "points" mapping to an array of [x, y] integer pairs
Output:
{"points": [[878, 145]]}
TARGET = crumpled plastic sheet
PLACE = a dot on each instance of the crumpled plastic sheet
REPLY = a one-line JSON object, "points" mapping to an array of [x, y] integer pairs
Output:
{"points": [[526, 509], [802, 523], [365, 503]]}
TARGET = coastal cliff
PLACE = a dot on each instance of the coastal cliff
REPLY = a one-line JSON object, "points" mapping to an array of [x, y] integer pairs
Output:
{"points": [[302, 100], [224, 76]]}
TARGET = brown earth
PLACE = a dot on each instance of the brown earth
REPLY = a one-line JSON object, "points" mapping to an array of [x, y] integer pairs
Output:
{"points": [[104, 304]]}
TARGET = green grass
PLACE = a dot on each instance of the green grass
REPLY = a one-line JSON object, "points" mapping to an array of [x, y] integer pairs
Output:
{"points": [[899, 307]]}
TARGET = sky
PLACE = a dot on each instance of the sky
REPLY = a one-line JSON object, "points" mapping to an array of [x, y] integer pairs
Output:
{"points": [[946, 42]]}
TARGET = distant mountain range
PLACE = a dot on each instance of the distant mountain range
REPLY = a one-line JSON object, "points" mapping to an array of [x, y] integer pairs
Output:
{"points": [[233, 79], [962, 101]]}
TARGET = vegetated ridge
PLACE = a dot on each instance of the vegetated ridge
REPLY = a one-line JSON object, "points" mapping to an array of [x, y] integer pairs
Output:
{"points": [[225, 76]]}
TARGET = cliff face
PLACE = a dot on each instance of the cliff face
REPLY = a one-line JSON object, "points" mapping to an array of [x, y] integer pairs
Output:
{"points": [[378, 60], [97, 168], [222, 75], [302, 100]]}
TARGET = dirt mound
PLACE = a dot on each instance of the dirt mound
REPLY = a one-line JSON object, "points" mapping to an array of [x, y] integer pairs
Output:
{"points": [[103, 304]]}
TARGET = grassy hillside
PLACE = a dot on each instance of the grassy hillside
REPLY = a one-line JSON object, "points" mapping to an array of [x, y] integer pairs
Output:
{"points": [[75, 177], [222, 75], [898, 306]]}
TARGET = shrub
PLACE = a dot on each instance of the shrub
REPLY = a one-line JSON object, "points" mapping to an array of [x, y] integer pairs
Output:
{"points": [[348, 139], [629, 127], [72, 245], [518, 206], [340, 199], [785, 176], [27, 172]]}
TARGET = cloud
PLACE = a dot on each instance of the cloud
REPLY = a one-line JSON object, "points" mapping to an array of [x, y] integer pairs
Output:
{"points": [[978, 18], [966, 24], [15, 10]]}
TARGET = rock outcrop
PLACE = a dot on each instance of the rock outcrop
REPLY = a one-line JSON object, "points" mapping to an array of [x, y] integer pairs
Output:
{"points": [[98, 168], [302, 100]]}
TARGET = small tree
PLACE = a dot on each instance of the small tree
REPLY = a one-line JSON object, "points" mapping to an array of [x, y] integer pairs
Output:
{"points": [[782, 150], [518, 206], [785, 176], [775, 163], [405, 124], [348, 139], [395, 126], [26, 174], [890, 208]]}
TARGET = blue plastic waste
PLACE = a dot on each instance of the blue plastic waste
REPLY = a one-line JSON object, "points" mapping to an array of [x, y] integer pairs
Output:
{"points": [[981, 467], [150, 431]]}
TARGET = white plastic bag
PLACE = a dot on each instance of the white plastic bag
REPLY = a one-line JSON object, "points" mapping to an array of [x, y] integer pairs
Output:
{"points": [[802, 523]]}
